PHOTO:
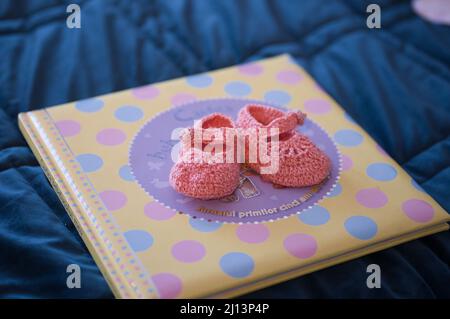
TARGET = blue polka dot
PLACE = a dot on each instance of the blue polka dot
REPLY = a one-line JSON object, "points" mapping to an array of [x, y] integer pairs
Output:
{"points": [[129, 113], [361, 227], [89, 105], [204, 225], [125, 173], [277, 96], [139, 240], [237, 265], [349, 118], [316, 215], [238, 88], [336, 191], [381, 172], [199, 81], [348, 138], [90, 162], [417, 186]]}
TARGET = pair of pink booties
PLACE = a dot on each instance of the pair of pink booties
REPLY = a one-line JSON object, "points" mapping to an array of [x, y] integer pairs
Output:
{"points": [[301, 163]]}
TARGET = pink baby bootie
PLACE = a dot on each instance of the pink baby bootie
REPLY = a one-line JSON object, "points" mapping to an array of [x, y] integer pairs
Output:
{"points": [[196, 174], [300, 162]]}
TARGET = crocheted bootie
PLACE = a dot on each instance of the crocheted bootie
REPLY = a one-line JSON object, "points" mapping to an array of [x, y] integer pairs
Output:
{"points": [[300, 162], [202, 170]]}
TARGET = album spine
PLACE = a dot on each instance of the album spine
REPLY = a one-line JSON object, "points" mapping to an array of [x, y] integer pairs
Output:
{"points": [[54, 174]]}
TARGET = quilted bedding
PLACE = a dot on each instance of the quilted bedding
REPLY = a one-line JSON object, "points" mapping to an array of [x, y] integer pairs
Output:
{"points": [[394, 81]]}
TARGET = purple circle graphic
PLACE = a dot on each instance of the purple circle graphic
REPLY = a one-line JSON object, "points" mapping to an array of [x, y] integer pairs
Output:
{"points": [[156, 211], [169, 285], [317, 106], [418, 210], [347, 163], [158, 150], [251, 69], [113, 199], [182, 98], [111, 137], [252, 233], [289, 77], [145, 92], [68, 128], [188, 251], [301, 245], [371, 198]]}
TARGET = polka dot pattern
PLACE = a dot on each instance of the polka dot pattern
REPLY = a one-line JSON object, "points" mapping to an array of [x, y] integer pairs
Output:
{"points": [[289, 77], [252, 233], [90, 162], [336, 191], [347, 137], [238, 89], [182, 98], [278, 97], [156, 211], [68, 128], [129, 113], [169, 285], [139, 240], [199, 81], [147, 92], [250, 69], [111, 137], [89, 105], [361, 227], [237, 264], [347, 163], [417, 186], [317, 106], [381, 172], [315, 216], [113, 199], [371, 198], [125, 173], [188, 251], [301, 245], [204, 226], [418, 210]]}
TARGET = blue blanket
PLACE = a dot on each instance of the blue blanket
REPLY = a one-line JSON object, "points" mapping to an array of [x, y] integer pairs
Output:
{"points": [[394, 81]]}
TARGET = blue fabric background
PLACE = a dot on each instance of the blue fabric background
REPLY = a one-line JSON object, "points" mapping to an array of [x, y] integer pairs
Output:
{"points": [[395, 82]]}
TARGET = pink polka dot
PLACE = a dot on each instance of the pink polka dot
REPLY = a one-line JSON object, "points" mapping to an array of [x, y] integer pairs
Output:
{"points": [[371, 198], [156, 211], [111, 137], [381, 151], [418, 210], [113, 200], [181, 98], [289, 77], [251, 69], [252, 233], [301, 245], [169, 285], [68, 128], [347, 163], [188, 251], [146, 92], [317, 106], [318, 88]]}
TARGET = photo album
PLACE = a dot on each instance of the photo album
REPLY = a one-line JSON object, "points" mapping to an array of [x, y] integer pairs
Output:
{"points": [[221, 183]]}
